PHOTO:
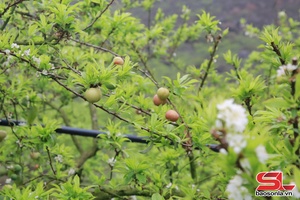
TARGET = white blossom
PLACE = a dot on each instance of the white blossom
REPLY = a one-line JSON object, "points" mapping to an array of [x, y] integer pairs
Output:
{"points": [[281, 14], [231, 116], [14, 45], [169, 185], [261, 154], [244, 162], [111, 161], [236, 190], [8, 181], [26, 53], [22, 124], [19, 143], [37, 60], [44, 72], [236, 141], [119, 135], [7, 51], [71, 172], [52, 66], [58, 158], [223, 151], [285, 70], [38, 74]]}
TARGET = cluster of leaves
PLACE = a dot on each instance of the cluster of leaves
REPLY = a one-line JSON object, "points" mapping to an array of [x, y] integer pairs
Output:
{"points": [[51, 52]]}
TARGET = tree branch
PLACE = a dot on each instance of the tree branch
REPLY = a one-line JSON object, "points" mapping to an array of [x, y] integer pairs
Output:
{"points": [[277, 51], [9, 6], [212, 55], [50, 160], [148, 71], [96, 18], [94, 46]]}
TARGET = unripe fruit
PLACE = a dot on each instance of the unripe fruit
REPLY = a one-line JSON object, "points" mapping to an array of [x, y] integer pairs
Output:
{"points": [[157, 101], [3, 135], [14, 177], [172, 115], [163, 93], [17, 168], [118, 61], [35, 155], [93, 95]]}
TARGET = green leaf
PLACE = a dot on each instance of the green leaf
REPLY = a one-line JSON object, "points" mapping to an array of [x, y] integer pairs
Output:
{"points": [[150, 146], [157, 196], [32, 114], [276, 103], [141, 178], [110, 86]]}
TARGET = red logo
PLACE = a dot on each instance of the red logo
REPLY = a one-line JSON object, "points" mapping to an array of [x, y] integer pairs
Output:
{"points": [[272, 181]]}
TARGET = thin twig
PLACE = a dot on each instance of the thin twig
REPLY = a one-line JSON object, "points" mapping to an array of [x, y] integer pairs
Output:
{"points": [[96, 18], [9, 6], [30, 180], [277, 51], [248, 104], [212, 55], [148, 71], [94, 46], [132, 106], [7, 20], [117, 152], [50, 160]]}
